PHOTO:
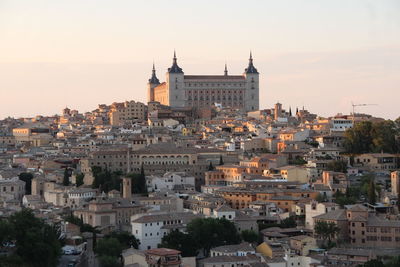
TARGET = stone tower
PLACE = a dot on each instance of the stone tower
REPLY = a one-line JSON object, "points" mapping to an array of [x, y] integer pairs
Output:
{"points": [[153, 82], [252, 86], [175, 83], [395, 182], [126, 188], [277, 111]]}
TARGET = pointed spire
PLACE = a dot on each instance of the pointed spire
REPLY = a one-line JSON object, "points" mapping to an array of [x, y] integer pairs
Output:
{"points": [[153, 79], [175, 68], [251, 68], [226, 70]]}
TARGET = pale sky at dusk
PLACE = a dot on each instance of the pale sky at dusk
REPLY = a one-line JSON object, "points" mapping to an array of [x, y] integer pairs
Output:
{"points": [[320, 54]]}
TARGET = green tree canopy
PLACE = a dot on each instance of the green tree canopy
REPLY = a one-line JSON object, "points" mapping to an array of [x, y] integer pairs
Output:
{"points": [[108, 250], [371, 192], [138, 182], [105, 179], [180, 241], [126, 239], [210, 232], [204, 234], [249, 236], [67, 174], [221, 161], [79, 179], [337, 166], [37, 243], [367, 137], [326, 231]]}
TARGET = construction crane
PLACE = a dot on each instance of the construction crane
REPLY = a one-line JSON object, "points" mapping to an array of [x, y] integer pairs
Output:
{"points": [[359, 105]]}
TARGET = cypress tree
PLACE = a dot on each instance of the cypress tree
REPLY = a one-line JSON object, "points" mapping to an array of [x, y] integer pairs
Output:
{"points": [[371, 192], [66, 177], [221, 161]]}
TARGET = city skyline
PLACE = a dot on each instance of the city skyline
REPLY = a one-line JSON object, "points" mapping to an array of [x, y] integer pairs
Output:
{"points": [[304, 53]]}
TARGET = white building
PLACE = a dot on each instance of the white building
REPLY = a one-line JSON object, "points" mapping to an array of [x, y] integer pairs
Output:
{"points": [[314, 209], [341, 124], [150, 228], [169, 180]]}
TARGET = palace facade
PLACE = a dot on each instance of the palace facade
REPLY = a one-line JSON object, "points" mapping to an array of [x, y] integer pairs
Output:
{"points": [[204, 91]]}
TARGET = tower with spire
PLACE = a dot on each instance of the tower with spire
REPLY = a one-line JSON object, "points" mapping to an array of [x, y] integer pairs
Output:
{"points": [[175, 89], [153, 82], [252, 86], [202, 92]]}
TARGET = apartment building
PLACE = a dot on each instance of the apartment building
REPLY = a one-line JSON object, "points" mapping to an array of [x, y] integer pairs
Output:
{"points": [[127, 112], [377, 161], [363, 228], [150, 228]]}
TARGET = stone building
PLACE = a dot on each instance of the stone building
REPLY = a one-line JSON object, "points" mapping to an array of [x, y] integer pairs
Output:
{"points": [[203, 91], [127, 112]]}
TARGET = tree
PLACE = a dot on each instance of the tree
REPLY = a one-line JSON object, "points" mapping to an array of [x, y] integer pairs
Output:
{"points": [[109, 250], [373, 263], [366, 137], [371, 192], [6, 231], [337, 166], [209, 232], [138, 183], [326, 231], [221, 161], [321, 198], [180, 241], [27, 178], [348, 198], [67, 174], [297, 161], [126, 239], [106, 180], [210, 166], [79, 179], [249, 236], [37, 243], [394, 261], [289, 222]]}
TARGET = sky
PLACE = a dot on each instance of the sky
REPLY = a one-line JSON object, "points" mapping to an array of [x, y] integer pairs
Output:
{"points": [[322, 55]]}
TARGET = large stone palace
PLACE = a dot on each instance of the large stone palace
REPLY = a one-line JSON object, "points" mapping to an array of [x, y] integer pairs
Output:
{"points": [[204, 91]]}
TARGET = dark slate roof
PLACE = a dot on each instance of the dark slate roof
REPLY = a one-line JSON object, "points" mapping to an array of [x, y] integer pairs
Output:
{"points": [[175, 68], [251, 68], [153, 79]]}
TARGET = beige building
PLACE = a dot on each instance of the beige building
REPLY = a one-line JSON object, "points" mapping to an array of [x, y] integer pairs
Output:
{"points": [[395, 182], [302, 244], [35, 135], [7, 140], [12, 189], [363, 228], [377, 161], [203, 91], [294, 173], [127, 112]]}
